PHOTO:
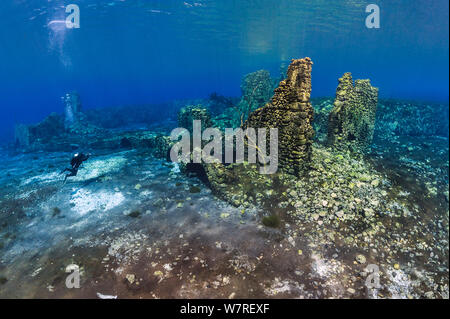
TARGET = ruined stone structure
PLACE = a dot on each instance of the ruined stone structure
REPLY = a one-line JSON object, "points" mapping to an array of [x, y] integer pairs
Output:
{"points": [[43, 132], [291, 112], [257, 89], [194, 112], [352, 120]]}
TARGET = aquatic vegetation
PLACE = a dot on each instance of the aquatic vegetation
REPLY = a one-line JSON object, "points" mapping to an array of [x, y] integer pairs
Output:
{"points": [[411, 118], [322, 108], [352, 120], [394, 119], [273, 221], [194, 189], [219, 104]]}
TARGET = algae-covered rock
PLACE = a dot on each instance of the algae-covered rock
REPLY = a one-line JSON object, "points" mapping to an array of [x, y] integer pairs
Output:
{"points": [[188, 114], [290, 111], [257, 89], [44, 132], [322, 108], [217, 104], [158, 144], [273, 221], [238, 184], [352, 120], [72, 108], [411, 118]]}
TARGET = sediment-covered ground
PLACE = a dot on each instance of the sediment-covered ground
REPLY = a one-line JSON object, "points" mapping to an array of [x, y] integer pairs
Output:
{"points": [[139, 228]]}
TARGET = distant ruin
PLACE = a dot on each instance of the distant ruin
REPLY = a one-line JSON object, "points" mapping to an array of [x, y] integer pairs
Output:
{"points": [[352, 120]]}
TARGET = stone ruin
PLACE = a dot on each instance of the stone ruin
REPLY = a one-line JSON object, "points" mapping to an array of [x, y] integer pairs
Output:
{"points": [[188, 114], [352, 120], [257, 89], [291, 112], [53, 131], [28, 136]]}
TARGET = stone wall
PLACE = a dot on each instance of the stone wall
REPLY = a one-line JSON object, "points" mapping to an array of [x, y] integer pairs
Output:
{"points": [[352, 120], [291, 112]]}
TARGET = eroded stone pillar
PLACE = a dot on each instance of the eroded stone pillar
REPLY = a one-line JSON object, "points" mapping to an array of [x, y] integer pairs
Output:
{"points": [[291, 112]]}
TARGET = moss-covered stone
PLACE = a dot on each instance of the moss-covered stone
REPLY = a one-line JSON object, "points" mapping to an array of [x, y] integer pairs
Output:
{"points": [[257, 89], [322, 108], [273, 221], [135, 214], [291, 112], [194, 189], [188, 114], [238, 184], [352, 120]]}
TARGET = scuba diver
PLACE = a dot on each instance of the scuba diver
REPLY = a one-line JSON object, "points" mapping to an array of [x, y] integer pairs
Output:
{"points": [[75, 162]]}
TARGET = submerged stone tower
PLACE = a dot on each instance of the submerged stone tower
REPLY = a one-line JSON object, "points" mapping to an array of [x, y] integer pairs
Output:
{"points": [[291, 112], [352, 120]]}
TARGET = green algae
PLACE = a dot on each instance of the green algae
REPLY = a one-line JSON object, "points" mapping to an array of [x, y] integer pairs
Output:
{"points": [[194, 189], [273, 221]]}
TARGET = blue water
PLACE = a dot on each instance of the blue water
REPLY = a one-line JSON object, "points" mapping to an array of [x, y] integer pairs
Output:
{"points": [[134, 51]]}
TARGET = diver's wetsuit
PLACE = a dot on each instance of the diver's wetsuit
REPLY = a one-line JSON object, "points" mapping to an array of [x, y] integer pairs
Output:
{"points": [[75, 162]]}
